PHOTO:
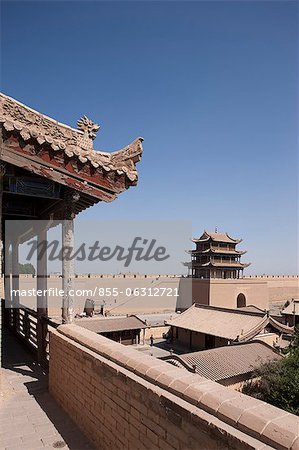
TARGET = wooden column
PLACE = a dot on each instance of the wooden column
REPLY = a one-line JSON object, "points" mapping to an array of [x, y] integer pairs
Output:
{"points": [[42, 300], [67, 272], [15, 271], [7, 270], [68, 265], [15, 282]]}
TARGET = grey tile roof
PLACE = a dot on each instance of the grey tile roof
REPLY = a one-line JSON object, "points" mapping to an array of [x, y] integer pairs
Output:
{"points": [[107, 324], [225, 362], [221, 322]]}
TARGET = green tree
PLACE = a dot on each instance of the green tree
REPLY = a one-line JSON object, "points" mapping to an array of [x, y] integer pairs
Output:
{"points": [[277, 382], [27, 268]]}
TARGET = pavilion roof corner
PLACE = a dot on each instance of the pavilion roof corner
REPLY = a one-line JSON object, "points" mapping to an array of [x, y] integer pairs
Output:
{"points": [[50, 140]]}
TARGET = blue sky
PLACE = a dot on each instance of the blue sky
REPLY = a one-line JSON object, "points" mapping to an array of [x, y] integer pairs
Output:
{"points": [[212, 88]]}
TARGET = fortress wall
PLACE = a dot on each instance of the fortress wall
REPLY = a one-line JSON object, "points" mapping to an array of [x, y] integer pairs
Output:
{"points": [[258, 290], [225, 292], [283, 289]]}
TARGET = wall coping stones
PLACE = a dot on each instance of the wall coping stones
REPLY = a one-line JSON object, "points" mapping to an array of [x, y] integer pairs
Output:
{"points": [[269, 424]]}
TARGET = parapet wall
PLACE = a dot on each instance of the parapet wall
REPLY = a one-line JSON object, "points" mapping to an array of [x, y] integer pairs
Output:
{"points": [[122, 399], [142, 276]]}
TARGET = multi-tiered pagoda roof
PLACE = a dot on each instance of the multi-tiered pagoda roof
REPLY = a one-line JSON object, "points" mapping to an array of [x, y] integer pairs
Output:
{"points": [[216, 256]]}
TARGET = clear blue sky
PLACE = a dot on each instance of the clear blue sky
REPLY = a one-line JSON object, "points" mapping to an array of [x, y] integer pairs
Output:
{"points": [[211, 86]]}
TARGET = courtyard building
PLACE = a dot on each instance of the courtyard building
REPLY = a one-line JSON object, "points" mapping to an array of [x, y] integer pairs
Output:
{"points": [[126, 330], [203, 327]]}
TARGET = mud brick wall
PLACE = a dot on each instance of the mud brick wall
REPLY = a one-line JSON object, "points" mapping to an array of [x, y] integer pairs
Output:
{"points": [[122, 399]]}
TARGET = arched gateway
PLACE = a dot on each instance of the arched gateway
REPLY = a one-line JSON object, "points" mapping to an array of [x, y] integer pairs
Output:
{"points": [[241, 301]]}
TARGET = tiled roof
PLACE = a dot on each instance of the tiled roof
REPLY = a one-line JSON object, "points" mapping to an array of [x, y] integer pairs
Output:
{"points": [[225, 362], [231, 324], [107, 324], [217, 237], [229, 264], [225, 264], [251, 308], [215, 250], [76, 143], [221, 322], [292, 309]]}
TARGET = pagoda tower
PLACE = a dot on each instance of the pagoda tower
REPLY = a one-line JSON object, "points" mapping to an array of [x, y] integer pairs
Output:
{"points": [[216, 256]]}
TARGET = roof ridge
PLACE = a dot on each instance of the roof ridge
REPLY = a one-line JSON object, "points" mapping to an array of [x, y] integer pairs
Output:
{"points": [[35, 111], [31, 124], [229, 310]]}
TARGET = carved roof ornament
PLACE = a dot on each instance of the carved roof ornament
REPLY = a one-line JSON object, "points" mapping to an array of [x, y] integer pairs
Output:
{"points": [[88, 127], [75, 143]]}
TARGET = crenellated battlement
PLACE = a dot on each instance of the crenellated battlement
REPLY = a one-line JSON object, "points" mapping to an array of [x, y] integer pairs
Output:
{"points": [[142, 276]]}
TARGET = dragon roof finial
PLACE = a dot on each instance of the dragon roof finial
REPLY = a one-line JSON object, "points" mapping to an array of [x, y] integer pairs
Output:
{"points": [[88, 127]]}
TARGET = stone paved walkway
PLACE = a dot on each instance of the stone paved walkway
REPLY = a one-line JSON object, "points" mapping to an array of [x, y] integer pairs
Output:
{"points": [[29, 417]]}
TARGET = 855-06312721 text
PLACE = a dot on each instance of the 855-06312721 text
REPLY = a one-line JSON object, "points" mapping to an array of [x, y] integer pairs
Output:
{"points": [[99, 291]]}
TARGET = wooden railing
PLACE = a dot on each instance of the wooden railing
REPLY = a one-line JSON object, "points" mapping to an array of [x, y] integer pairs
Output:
{"points": [[31, 329], [23, 322]]}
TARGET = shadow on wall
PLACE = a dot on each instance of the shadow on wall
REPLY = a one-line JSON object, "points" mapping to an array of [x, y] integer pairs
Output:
{"points": [[191, 291]]}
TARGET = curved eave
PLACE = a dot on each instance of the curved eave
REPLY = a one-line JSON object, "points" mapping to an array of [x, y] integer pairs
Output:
{"points": [[220, 265], [280, 326], [264, 322], [233, 252], [43, 131], [230, 266], [217, 239], [232, 241], [211, 250], [254, 331], [200, 239], [237, 241]]}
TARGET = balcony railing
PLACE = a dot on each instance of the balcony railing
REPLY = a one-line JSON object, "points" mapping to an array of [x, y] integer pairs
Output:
{"points": [[31, 330]]}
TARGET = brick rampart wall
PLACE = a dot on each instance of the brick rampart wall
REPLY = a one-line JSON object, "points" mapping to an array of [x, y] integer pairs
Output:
{"points": [[122, 399]]}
